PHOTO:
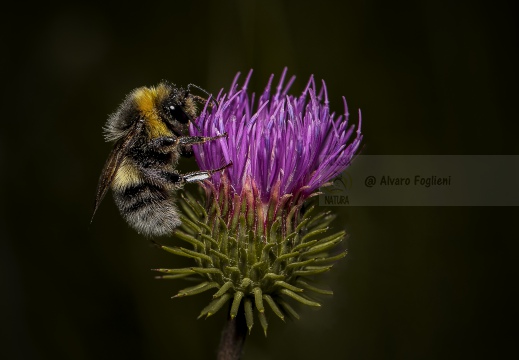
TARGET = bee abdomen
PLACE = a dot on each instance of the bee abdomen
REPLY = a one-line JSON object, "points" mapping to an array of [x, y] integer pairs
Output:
{"points": [[148, 208]]}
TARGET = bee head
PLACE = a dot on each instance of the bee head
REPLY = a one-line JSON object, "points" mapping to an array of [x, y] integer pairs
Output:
{"points": [[165, 109], [178, 109]]}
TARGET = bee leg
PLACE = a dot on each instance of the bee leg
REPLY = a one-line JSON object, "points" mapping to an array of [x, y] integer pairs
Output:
{"points": [[166, 143], [186, 142], [200, 175], [180, 179], [192, 140], [163, 143]]}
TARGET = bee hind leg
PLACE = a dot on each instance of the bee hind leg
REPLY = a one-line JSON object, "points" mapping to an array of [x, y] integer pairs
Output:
{"points": [[197, 176]]}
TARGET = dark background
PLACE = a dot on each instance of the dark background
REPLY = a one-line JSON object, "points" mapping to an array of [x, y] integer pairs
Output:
{"points": [[419, 283]]}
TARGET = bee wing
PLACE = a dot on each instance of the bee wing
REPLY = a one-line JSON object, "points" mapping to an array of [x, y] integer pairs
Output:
{"points": [[114, 161]]}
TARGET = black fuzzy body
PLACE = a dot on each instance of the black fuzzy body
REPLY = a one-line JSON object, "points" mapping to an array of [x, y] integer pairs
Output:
{"points": [[149, 205], [140, 170]]}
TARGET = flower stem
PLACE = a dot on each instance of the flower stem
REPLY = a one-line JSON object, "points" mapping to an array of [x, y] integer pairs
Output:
{"points": [[233, 337]]}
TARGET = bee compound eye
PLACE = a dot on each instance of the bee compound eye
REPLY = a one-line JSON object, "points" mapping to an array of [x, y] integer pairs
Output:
{"points": [[177, 113]]}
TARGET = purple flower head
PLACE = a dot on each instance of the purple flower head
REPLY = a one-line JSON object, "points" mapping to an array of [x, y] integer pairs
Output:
{"points": [[284, 144], [253, 239]]}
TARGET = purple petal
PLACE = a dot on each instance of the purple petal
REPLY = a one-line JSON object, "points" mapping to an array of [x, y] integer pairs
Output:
{"points": [[287, 139]]}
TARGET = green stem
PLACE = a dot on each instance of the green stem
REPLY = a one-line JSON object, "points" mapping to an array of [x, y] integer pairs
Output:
{"points": [[233, 337]]}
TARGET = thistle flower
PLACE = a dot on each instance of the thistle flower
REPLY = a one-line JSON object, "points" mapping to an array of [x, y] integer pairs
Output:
{"points": [[256, 240]]}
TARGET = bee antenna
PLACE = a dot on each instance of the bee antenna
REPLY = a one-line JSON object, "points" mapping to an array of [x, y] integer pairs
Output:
{"points": [[204, 91]]}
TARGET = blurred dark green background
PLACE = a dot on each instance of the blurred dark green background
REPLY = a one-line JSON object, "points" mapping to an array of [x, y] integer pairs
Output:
{"points": [[419, 283]]}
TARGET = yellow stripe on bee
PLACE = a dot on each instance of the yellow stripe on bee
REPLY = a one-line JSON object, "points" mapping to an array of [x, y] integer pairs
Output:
{"points": [[126, 176], [148, 100]]}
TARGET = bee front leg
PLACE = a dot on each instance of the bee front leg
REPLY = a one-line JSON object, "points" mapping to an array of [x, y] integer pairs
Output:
{"points": [[186, 142], [192, 140], [167, 143], [164, 143]]}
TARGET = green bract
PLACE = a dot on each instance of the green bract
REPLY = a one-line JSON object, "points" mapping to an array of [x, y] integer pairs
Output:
{"points": [[254, 256]]}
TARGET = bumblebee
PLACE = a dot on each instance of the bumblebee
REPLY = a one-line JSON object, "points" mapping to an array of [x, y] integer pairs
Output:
{"points": [[150, 131]]}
